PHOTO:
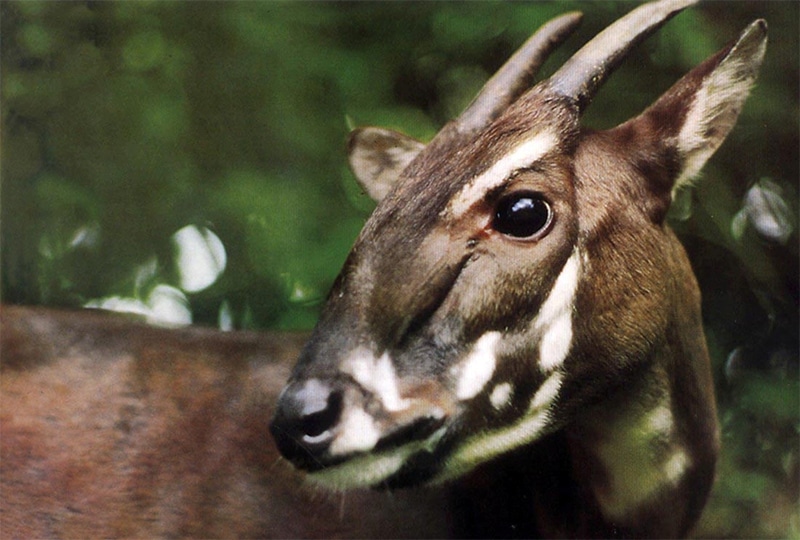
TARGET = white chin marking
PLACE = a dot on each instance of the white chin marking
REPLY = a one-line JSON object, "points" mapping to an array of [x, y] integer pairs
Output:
{"points": [[366, 471], [554, 320], [478, 367], [523, 155]]}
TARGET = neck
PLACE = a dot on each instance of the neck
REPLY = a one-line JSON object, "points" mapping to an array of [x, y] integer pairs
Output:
{"points": [[610, 474], [644, 456]]}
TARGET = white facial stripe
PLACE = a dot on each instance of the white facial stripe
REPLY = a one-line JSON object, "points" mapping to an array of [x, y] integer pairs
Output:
{"points": [[555, 317], [485, 446], [357, 432], [478, 367], [523, 155], [501, 395], [555, 343], [377, 376]]}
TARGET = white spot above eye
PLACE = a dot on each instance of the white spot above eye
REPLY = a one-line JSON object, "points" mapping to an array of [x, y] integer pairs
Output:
{"points": [[523, 155], [555, 316], [501, 395], [478, 367]]}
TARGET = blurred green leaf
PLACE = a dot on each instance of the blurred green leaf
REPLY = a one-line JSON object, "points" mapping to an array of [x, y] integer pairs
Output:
{"points": [[776, 399]]}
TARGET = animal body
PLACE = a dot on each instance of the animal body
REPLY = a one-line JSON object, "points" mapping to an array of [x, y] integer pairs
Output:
{"points": [[513, 348], [516, 317], [111, 428]]}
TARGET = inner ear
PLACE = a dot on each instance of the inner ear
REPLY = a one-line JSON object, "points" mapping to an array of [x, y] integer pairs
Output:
{"points": [[378, 156], [697, 113]]}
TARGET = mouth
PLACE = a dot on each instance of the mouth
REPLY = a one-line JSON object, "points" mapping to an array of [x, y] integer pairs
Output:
{"points": [[389, 466]]}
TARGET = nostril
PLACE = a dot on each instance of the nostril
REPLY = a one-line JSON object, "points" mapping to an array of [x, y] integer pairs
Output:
{"points": [[317, 423], [304, 421]]}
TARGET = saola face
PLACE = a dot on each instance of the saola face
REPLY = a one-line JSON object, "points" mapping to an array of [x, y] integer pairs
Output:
{"points": [[516, 269], [448, 341]]}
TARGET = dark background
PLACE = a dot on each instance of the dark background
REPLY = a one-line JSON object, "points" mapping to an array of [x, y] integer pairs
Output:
{"points": [[124, 123]]}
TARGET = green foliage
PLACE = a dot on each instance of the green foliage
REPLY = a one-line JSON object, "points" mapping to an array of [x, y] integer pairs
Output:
{"points": [[126, 122]]}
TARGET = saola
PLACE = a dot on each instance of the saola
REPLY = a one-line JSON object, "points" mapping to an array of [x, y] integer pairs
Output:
{"points": [[515, 325], [516, 317]]}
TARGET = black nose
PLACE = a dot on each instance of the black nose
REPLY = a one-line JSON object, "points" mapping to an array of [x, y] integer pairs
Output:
{"points": [[304, 422]]}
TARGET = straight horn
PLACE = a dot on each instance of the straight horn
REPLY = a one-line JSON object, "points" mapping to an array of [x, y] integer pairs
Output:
{"points": [[517, 74], [582, 75]]}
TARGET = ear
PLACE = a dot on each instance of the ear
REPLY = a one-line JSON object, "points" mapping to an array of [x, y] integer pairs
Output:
{"points": [[377, 157], [697, 113]]}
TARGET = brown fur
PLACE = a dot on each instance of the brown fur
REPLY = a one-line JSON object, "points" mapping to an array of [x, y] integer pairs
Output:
{"points": [[626, 442], [110, 428]]}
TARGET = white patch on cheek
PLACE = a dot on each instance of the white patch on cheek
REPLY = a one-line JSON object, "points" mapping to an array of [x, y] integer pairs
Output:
{"points": [[477, 368], [554, 320], [501, 395], [377, 376], [523, 155], [357, 433]]}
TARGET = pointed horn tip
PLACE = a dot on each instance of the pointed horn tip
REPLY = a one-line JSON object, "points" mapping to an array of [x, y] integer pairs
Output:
{"points": [[518, 72], [679, 4], [583, 74], [571, 17], [559, 28], [567, 23], [668, 6]]}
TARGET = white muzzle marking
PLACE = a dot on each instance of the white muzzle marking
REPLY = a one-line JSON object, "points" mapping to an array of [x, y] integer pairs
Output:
{"points": [[476, 370], [377, 375]]}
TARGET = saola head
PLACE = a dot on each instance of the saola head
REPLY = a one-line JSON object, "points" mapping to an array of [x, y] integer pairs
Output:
{"points": [[515, 268]]}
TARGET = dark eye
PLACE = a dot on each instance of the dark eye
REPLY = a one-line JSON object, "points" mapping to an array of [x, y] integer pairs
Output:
{"points": [[521, 215]]}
